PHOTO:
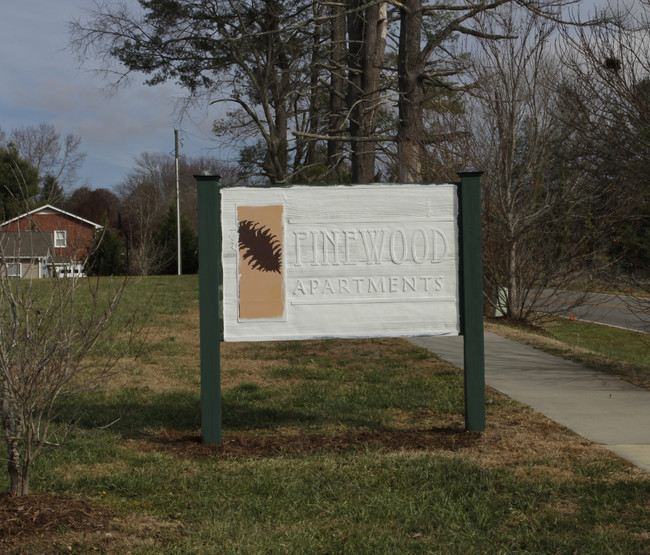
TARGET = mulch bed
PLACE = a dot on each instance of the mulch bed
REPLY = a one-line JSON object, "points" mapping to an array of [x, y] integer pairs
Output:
{"points": [[245, 445], [24, 519], [40, 513]]}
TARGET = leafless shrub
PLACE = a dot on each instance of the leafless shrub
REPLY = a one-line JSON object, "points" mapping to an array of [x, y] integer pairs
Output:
{"points": [[58, 336]]}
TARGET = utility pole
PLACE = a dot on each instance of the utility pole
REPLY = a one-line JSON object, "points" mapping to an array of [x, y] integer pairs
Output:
{"points": [[178, 203]]}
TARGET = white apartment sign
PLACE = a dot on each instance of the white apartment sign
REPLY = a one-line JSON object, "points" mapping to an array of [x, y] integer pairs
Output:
{"points": [[307, 262]]}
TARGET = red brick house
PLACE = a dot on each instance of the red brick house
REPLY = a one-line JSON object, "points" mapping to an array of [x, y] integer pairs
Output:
{"points": [[44, 242]]}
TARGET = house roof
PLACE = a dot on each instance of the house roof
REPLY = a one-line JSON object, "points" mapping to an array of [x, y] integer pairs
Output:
{"points": [[49, 209], [24, 244]]}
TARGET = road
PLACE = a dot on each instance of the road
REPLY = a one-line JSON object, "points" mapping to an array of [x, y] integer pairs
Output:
{"points": [[631, 313]]}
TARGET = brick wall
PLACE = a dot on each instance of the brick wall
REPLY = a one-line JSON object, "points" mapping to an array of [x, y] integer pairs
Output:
{"points": [[79, 235]]}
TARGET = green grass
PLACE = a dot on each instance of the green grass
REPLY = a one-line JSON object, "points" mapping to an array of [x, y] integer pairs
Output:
{"points": [[618, 344], [525, 486], [362, 503]]}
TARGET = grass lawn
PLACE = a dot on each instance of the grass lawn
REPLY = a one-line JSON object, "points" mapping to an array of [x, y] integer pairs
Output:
{"points": [[352, 446]]}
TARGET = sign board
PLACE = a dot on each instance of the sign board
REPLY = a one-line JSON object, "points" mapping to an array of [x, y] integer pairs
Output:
{"points": [[306, 262], [302, 262]]}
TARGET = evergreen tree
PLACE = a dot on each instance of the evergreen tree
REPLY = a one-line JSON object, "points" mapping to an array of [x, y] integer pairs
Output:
{"points": [[165, 239], [18, 183], [108, 256], [51, 192]]}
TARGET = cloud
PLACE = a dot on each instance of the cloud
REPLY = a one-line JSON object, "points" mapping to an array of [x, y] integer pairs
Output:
{"points": [[40, 82], [84, 108]]}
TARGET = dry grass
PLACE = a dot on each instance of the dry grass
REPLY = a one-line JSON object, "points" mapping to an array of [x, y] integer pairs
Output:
{"points": [[518, 445]]}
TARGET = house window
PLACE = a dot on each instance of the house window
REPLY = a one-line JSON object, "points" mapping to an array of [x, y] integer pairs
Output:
{"points": [[60, 239], [14, 270]]}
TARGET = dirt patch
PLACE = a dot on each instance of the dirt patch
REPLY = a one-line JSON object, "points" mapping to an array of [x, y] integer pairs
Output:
{"points": [[25, 520], [47, 513], [63, 524], [252, 445]]}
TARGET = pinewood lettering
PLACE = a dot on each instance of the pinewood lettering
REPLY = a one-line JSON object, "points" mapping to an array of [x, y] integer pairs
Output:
{"points": [[370, 247]]}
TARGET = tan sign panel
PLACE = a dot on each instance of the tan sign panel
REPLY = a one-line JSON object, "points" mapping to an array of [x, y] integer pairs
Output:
{"points": [[260, 231]]}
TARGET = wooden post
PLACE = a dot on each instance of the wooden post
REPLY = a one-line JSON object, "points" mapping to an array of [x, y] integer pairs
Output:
{"points": [[210, 305], [471, 297]]}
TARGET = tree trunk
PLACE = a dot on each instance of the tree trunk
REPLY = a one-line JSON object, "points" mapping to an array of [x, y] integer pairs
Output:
{"points": [[277, 75], [410, 131], [513, 290], [367, 28], [13, 466], [314, 90], [275, 163], [18, 475], [337, 57]]}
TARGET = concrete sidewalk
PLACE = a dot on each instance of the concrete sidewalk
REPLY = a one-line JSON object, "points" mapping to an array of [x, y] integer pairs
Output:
{"points": [[599, 407]]}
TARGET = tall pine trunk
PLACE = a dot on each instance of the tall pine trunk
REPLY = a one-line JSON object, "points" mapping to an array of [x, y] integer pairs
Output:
{"points": [[337, 56], [277, 76], [367, 28], [311, 157], [410, 131]]}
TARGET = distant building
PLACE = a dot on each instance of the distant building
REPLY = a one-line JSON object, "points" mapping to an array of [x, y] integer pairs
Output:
{"points": [[45, 242]]}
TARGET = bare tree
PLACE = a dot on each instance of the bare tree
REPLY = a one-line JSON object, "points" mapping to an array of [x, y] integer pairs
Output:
{"points": [[538, 230], [144, 205], [56, 338], [97, 205], [426, 63], [609, 87], [303, 73], [337, 90], [57, 159], [149, 190]]}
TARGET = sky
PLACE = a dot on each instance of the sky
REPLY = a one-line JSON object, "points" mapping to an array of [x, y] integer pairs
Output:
{"points": [[41, 82]]}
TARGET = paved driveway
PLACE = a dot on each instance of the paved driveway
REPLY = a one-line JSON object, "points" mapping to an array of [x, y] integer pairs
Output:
{"points": [[611, 310]]}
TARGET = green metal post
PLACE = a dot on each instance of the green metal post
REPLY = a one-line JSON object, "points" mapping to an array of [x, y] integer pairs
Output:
{"points": [[469, 198], [210, 305]]}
